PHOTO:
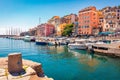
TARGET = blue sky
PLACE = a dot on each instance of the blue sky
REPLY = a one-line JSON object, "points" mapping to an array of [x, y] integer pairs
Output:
{"points": [[26, 13]]}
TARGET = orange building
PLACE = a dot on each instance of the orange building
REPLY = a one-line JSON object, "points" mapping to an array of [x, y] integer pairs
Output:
{"points": [[88, 20], [101, 20]]}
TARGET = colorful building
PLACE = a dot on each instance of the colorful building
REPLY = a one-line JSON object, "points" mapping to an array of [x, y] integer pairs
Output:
{"points": [[110, 21], [55, 20], [60, 29], [118, 16], [88, 21], [45, 30], [68, 19], [100, 21]]}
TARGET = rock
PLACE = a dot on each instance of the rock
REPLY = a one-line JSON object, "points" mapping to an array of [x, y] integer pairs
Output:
{"points": [[38, 68]]}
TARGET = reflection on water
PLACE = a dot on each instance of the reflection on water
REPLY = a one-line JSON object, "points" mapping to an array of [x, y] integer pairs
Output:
{"points": [[61, 63], [86, 59]]}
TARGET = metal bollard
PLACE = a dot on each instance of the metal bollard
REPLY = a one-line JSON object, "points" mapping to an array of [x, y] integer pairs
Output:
{"points": [[15, 63]]}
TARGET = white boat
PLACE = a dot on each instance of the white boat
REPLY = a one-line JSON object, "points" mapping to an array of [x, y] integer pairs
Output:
{"points": [[27, 38], [52, 43], [41, 41], [79, 44], [89, 44]]}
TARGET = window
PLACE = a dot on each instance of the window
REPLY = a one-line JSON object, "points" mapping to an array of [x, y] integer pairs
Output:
{"points": [[94, 14], [111, 26], [94, 22], [117, 14], [109, 16], [88, 21], [117, 17], [106, 26]]}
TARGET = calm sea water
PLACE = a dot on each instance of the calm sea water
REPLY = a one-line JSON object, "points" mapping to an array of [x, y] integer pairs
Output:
{"points": [[61, 63]]}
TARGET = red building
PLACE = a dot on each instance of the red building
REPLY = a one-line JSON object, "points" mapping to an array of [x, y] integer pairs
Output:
{"points": [[45, 30], [88, 21]]}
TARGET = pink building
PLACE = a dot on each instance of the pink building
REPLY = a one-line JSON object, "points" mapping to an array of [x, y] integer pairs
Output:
{"points": [[118, 16], [45, 30]]}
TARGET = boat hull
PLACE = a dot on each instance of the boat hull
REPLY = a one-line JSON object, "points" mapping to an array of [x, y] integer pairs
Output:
{"points": [[41, 43], [78, 47], [27, 40]]}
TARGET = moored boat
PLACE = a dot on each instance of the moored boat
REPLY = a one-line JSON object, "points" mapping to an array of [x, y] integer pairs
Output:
{"points": [[79, 44], [27, 38], [41, 42]]}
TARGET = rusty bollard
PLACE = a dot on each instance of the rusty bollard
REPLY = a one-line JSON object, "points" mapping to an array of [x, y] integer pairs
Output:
{"points": [[15, 63]]}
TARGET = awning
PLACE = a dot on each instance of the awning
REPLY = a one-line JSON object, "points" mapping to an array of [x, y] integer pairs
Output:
{"points": [[105, 33]]}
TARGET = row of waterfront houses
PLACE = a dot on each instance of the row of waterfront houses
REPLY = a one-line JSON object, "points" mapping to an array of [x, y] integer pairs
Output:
{"points": [[88, 21]]}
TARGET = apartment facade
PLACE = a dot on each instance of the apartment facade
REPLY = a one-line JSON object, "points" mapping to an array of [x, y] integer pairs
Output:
{"points": [[55, 20], [110, 19], [45, 30], [100, 21], [68, 19], [88, 21], [118, 16], [60, 29]]}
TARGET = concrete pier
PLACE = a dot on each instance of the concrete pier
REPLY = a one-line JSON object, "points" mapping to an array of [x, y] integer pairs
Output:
{"points": [[112, 50]]}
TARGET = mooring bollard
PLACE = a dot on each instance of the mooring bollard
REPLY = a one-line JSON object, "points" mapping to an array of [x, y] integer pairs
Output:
{"points": [[15, 63]]}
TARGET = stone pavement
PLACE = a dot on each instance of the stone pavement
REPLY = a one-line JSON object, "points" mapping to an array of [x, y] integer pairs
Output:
{"points": [[29, 72]]}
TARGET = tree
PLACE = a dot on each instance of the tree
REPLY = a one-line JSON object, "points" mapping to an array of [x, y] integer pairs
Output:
{"points": [[67, 30]]}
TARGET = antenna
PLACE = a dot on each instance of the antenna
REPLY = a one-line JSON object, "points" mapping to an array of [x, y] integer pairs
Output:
{"points": [[39, 20]]}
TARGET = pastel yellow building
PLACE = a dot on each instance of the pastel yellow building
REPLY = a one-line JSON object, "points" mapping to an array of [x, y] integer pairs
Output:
{"points": [[60, 29]]}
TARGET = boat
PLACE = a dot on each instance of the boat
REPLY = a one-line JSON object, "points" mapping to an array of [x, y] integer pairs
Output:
{"points": [[41, 41], [79, 44], [52, 43], [62, 41], [89, 44], [27, 38], [32, 39]]}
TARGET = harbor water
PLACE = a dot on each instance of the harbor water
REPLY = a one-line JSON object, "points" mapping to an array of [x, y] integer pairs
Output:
{"points": [[60, 63]]}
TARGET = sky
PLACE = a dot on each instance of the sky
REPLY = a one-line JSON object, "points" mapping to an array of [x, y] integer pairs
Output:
{"points": [[25, 14]]}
